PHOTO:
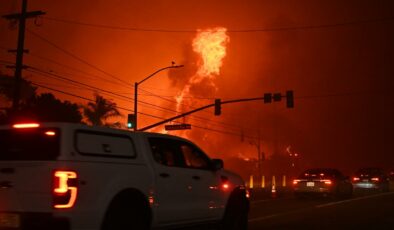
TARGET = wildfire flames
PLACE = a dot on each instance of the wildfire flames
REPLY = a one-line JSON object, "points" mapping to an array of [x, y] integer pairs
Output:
{"points": [[210, 45]]}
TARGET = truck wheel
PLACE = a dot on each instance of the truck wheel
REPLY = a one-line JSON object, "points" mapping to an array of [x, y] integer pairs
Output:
{"points": [[127, 214], [236, 214]]}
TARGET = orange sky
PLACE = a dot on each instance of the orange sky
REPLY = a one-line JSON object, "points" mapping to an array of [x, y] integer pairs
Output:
{"points": [[340, 73]]}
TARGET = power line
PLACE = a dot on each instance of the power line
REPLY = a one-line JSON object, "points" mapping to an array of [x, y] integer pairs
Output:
{"points": [[87, 63], [153, 106], [91, 100], [122, 96], [160, 30], [129, 99], [88, 99], [20, 50], [4, 62], [72, 68], [76, 69], [75, 56]]}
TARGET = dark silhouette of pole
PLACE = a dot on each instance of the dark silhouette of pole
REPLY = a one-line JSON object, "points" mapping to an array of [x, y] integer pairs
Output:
{"points": [[136, 91], [202, 108], [20, 49]]}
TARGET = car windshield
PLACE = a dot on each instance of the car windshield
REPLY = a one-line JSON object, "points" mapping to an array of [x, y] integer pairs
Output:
{"points": [[29, 144]]}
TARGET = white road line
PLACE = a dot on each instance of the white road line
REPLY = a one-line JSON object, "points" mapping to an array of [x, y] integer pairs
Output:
{"points": [[268, 200], [354, 199], [278, 214], [317, 206]]}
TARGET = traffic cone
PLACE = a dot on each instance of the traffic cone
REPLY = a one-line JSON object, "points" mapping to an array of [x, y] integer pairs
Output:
{"points": [[273, 188], [251, 182]]}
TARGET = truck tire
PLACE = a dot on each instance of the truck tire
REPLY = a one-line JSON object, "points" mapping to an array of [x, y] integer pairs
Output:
{"points": [[236, 213], [127, 212]]}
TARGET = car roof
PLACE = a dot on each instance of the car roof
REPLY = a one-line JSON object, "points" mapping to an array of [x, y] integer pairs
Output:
{"points": [[370, 170], [79, 126]]}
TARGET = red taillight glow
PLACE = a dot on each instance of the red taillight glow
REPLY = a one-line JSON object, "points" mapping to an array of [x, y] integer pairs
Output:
{"points": [[26, 125], [50, 133], [225, 186], [375, 179], [295, 182], [151, 200], [327, 182], [356, 178], [247, 193], [65, 189]]}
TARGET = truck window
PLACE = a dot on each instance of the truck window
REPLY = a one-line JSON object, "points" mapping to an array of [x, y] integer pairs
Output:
{"points": [[29, 144], [104, 144], [176, 153], [165, 151], [194, 158]]}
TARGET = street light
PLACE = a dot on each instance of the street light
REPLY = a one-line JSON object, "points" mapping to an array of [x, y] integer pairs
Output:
{"points": [[136, 90]]}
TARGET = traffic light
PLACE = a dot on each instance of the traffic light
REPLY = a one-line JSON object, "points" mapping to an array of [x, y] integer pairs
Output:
{"points": [[289, 99], [267, 98], [218, 107], [130, 121], [277, 97]]}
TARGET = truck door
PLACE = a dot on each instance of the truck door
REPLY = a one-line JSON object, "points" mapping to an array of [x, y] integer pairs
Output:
{"points": [[206, 189], [173, 186]]}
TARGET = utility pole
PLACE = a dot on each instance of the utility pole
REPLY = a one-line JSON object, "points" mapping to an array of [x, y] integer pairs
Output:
{"points": [[260, 157], [20, 49]]}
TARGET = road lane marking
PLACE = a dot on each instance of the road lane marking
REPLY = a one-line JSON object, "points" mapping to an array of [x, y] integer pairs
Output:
{"points": [[354, 199], [279, 214], [315, 207], [268, 200]]}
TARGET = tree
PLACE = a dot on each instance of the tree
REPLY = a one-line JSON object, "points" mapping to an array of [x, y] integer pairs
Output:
{"points": [[100, 110], [44, 108], [7, 90], [49, 108]]}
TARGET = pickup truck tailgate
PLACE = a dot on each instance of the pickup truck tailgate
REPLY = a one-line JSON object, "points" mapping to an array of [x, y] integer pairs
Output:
{"points": [[25, 186]]}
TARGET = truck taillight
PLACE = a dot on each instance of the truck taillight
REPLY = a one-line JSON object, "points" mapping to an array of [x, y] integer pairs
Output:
{"points": [[327, 182], [65, 189], [225, 186], [25, 125]]}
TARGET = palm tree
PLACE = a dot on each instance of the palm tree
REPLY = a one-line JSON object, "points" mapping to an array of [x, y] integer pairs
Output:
{"points": [[100, 110]]}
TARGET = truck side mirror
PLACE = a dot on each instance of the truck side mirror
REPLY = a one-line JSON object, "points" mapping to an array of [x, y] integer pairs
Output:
{"points": [[217, 164]]}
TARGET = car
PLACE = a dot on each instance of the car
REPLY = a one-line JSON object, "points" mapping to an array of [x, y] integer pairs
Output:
{"points": [[391, 175], [372, 178], [326, 182]]}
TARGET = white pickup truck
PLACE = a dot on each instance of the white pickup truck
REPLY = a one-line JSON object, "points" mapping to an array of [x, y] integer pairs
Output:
{"points": [[63, 176]]}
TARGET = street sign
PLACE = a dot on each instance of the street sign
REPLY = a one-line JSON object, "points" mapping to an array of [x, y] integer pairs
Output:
{"points": [[178, 126]]}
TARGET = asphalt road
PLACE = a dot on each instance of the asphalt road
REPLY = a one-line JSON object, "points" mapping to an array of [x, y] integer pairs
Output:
{"points": [[362, 211]]}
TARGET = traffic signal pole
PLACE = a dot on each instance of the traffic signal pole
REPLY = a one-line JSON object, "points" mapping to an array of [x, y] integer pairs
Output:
{"points": [[176, 117], [216, 104]]}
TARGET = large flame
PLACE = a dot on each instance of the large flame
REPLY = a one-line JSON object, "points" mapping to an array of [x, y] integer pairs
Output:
{"points": [[210, 44]]}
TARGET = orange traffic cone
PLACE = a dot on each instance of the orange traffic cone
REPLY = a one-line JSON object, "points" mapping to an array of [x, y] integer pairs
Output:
{"points": [[273, 189]]}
